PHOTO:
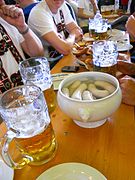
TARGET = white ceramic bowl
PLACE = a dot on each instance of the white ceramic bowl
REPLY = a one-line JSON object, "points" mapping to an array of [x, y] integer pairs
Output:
{"points": [[85, 113]]}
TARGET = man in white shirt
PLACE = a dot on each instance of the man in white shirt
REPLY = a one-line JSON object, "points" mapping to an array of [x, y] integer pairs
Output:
{"points": [[50, 20]]}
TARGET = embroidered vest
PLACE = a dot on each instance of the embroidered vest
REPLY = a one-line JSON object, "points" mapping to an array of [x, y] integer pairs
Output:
{"points": [[6, 44]]}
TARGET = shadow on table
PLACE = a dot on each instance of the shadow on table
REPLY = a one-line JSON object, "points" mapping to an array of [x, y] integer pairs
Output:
{"points": [[120, 22]]}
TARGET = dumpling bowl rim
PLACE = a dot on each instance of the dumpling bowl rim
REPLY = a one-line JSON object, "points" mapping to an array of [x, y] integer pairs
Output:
{"points": [[63, 82]]}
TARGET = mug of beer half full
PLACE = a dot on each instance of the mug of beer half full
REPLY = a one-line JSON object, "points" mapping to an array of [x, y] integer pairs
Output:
{"points": [[101, 29], [36, 71], [105, 56], [26, 116]]}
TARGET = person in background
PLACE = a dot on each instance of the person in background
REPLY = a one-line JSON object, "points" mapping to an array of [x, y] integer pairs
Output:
{"points": [[72, 12], [132, 6], [130, 27], [127, 82], [124, 4], [128, 8], [74, 5], [15, 37], [26, 5], [51, 20], [86, 9]]}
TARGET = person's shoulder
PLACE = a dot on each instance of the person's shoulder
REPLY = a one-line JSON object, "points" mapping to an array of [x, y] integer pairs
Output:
{"points": [[64, 6], [28, 8], [41, 9]]}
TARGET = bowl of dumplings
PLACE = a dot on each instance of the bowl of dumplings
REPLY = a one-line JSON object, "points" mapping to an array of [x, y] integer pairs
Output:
{"points": [[89, 98]]}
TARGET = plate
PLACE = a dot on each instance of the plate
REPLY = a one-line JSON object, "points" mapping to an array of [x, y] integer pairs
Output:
{"points": [[121, 38], [115, 33], [57, 78], [72, 171], [6, 173], [123, 47]]}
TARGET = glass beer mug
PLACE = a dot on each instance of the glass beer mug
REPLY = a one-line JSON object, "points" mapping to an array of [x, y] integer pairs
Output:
{"points": [[92, 28], [101, 29], [105, 56], [25, 113], [36, 71]]}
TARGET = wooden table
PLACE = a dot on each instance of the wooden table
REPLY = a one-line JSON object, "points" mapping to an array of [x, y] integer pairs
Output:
{"points": [[109, 148]]}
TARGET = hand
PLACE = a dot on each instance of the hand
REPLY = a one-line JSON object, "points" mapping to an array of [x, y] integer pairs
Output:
{"points": [[2, 2], [130, 26], [127, 85], [14, 16], [78, 34], [126, 67]]}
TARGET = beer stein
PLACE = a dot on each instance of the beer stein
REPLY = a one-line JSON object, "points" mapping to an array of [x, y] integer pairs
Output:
{"points": [[36, 71], [105, 56], [30, 137], [92, 28], [101, 29]]}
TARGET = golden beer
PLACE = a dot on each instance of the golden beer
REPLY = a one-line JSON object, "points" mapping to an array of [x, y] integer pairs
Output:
{"points": [[106, 13], [41, 148], [107, 10], [101, 35], [50, 97]]}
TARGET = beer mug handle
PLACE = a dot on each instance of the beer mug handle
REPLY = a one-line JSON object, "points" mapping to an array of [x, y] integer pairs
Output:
{"points": [[6, 155]]}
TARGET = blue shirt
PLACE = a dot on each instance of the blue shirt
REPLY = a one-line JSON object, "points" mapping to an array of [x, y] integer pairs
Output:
{"points": [[27, 10]]}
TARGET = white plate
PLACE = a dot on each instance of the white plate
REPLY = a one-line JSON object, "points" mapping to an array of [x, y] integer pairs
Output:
{"points": [[115, 33], [57, 78], [123, 47], [121, 38], [6, 173], [72, 171]]}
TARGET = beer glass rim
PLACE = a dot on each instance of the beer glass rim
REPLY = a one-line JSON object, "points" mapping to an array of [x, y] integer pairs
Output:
{"points": [[19, 87], [22, 63], [103, 42], [98, 41]]}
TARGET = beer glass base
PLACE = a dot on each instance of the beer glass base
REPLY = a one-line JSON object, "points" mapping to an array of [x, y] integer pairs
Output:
{"points": [[93, 124]]}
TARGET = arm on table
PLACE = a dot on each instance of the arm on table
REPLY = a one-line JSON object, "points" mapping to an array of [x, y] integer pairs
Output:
{"points": [[64, 46]]}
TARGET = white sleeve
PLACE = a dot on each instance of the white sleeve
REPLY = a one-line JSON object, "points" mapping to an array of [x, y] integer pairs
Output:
{"points": [[41, 22]]}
